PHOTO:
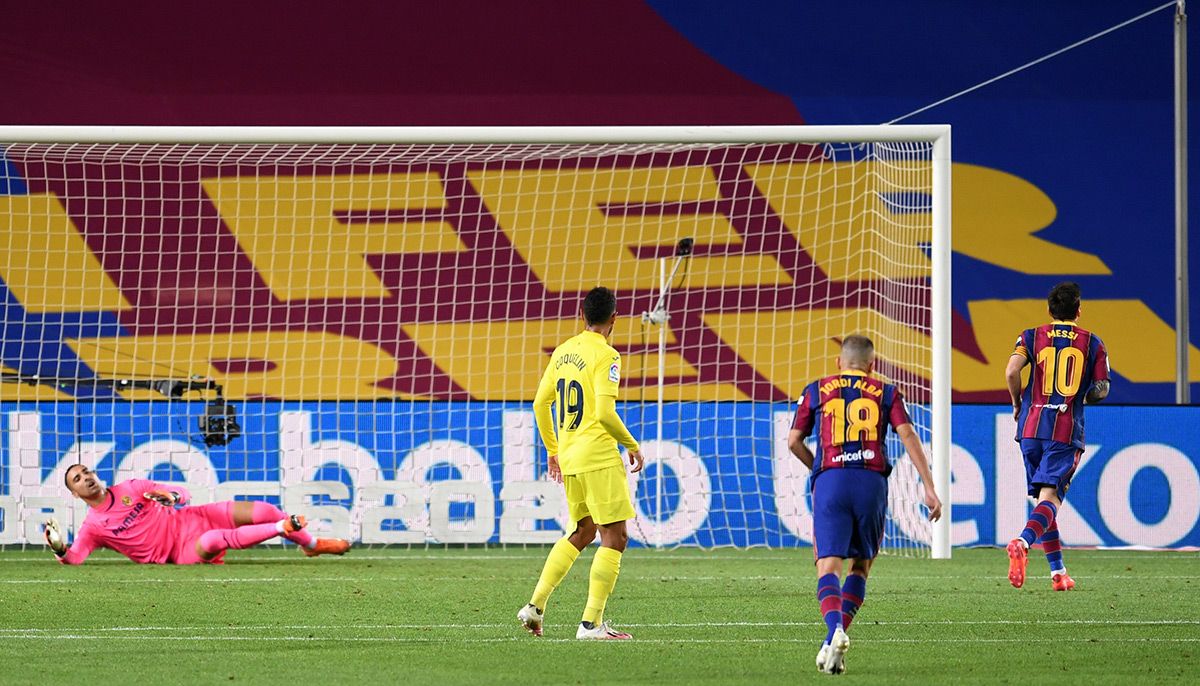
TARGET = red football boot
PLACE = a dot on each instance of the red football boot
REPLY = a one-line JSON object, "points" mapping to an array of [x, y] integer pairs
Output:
{"points": [[1062, 582], [1018, 558]]}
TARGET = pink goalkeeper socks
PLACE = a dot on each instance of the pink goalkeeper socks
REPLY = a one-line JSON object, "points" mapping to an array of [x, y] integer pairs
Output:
{"points": [[266, 512], [213, 542]]}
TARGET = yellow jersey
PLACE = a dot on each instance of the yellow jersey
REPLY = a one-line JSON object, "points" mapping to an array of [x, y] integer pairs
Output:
{"points": [[581, 382]]}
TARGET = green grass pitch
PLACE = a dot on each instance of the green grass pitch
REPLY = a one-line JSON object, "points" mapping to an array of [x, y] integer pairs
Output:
{"points": [[698, 617]]}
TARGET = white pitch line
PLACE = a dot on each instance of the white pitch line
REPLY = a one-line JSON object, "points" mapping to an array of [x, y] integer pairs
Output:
{"points": [[203, 580], [417, 578], [720, 555], [512, 639], [374, 579], [643, 625], [354, 555]]}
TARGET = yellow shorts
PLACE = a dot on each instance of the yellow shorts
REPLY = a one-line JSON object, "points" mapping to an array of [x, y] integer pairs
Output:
{"points": [[602, 494]]}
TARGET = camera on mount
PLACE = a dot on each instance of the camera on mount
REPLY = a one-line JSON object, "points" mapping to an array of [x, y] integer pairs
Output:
{"points": [[219, 423]]}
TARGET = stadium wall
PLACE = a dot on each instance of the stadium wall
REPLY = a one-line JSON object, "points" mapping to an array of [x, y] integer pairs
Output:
{"points": [[417, 472]]}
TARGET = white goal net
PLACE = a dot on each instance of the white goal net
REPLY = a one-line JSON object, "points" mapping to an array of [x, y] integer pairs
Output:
{"points": [[377, 316]]}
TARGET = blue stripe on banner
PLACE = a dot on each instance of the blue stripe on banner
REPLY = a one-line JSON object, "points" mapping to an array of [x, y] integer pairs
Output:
{"points": [[728, 479]]}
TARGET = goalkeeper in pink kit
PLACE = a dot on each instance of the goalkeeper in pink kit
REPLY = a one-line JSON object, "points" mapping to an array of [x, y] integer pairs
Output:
{"points": [[137, 519]]}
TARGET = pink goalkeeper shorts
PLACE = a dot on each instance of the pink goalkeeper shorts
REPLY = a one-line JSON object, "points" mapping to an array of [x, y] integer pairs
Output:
{"points": [[193, 522]]}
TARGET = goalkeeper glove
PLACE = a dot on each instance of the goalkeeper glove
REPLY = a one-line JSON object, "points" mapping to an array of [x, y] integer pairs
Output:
{"points": [[54, 537], [164, 498]]}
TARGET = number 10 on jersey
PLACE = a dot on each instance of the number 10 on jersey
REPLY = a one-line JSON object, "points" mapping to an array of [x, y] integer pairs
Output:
{"points": [[1062, 370]]}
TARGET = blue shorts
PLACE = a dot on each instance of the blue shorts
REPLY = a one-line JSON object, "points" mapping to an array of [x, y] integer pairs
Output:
{"points": [[1049, 463], [849, 507]]}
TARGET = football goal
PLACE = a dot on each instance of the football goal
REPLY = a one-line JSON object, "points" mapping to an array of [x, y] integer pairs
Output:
{"points": [[353, 321]]}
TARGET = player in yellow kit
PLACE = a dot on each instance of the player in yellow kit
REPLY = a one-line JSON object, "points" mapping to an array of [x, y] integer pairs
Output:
{"points": [[581, 383]]}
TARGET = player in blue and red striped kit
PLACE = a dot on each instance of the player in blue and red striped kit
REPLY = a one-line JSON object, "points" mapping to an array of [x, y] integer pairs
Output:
{"points": [[851, 411], [1049, 414]]}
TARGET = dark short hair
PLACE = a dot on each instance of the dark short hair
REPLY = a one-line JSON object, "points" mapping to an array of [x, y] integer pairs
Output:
{"points": [[67, 475], [1064, 300], [599, 305]]}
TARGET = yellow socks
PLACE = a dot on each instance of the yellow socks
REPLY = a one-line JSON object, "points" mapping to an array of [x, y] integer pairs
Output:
{"points": [[558, 563], [605, 567]]}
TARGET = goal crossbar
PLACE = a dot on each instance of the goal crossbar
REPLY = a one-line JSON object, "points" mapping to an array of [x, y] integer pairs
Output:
{"points": [[471, 134]]}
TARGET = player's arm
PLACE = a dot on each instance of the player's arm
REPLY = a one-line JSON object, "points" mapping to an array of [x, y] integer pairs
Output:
{"points": [[1099, 388], [1012, 372], [606, 379], [165, 495], [802, 426], [544, 417], [916, 453], [899, 420], [78, 552], [168, 496], [1012, 377], [796, 446], [1098, 392], [606, 414]]}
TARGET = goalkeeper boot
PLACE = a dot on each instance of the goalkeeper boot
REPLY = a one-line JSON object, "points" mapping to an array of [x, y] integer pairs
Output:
{"points": [[600, 632], [1018, 558], [531, 618], [835, 660], [1062, 581], [327, 546]]}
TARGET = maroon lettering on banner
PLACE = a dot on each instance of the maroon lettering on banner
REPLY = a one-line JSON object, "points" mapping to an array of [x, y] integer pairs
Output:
{"points": [[163, 242]]}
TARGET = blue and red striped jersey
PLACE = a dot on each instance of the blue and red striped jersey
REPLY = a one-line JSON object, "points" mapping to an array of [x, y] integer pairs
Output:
{"points": [[855, 410], [1066, 361]]}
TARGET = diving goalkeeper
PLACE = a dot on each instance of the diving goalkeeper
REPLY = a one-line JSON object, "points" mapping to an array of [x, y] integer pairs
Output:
{"points": [[138, 519]]}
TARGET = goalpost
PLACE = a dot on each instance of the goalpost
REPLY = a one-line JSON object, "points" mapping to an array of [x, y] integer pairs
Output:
{"points": [[373, 307]]}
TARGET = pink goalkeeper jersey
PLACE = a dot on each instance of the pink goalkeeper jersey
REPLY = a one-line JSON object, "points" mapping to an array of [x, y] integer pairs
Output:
{"points": [[129, 523]]}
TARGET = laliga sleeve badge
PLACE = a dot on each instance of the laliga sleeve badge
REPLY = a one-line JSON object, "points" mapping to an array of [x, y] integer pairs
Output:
{"points": [[614, 373]]}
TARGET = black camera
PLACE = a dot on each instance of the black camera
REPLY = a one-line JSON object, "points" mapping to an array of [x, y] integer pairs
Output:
{"points": [[219, 424]]}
